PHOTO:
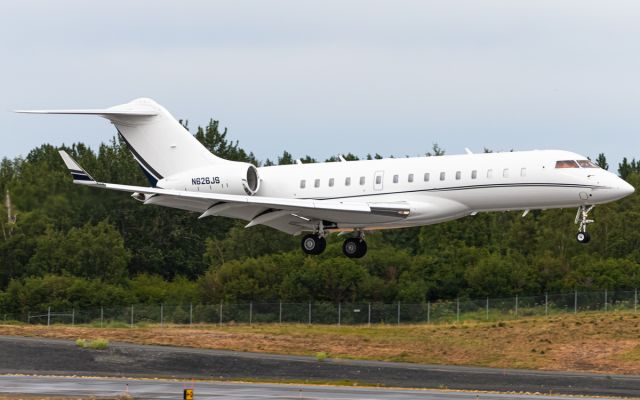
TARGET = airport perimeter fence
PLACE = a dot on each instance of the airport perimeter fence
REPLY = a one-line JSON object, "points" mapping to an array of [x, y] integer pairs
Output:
{"points": [[487, 309]]}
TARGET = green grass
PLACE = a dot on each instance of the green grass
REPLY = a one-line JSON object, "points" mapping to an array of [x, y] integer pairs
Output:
{"points": [[97, 344]]}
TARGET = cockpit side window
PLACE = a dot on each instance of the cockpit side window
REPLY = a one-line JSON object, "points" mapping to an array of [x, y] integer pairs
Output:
{"points": [[566, 164], [587, 164]]}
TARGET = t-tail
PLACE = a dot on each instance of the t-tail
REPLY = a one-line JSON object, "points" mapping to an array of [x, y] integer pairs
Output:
{"points": [[158, 142]]}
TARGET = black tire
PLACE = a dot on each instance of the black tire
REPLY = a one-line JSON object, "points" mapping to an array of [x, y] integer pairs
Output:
{"points": [[362, 248], [350, 247], [313, 244], [354, 248], [583, 237], [322, 244]]}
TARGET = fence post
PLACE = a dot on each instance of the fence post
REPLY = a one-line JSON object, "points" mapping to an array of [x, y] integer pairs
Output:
{"points": [[428, 311], [457, 309], [73, 316], [131, 325], [28, 317], [190, 314], [101, 317], [516, 306], [161, 315], [546, 303], [487, 310], [398, 313], [339, 312], [309, 313], [220, 313], [280, 314], [49, 316], [605, 300], [575, 301], [369, 317], [250, 313]]}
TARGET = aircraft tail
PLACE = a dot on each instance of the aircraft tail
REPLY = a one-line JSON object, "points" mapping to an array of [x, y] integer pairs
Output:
{"points": [[156, 139]]}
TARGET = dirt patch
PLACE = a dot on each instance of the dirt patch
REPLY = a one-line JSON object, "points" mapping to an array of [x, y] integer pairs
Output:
{"points": [[595, 355]]}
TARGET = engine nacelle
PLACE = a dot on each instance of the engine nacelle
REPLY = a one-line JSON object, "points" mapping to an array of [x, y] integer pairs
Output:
{"points": [[229, 178]]}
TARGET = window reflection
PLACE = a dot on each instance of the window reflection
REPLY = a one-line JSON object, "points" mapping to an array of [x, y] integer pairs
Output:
{"points": [[566, 164]]}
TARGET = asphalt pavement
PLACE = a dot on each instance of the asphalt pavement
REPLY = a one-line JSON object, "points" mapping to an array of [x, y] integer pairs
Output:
{"points": [[168, 389]]}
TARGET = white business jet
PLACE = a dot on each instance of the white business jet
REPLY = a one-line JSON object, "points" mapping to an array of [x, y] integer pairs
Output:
{"points": [[346, 196]]}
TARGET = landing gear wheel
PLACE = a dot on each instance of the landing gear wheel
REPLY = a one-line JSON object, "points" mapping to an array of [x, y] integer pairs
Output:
{"points": [[583, 237], [354, 248], [313, 244]]}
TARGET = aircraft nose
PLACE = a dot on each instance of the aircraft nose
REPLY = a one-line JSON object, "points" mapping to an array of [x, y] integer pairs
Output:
{"points": [[626, 189]]}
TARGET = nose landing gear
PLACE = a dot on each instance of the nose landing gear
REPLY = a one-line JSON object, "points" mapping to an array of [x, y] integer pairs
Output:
{"points": [[582, 219]]}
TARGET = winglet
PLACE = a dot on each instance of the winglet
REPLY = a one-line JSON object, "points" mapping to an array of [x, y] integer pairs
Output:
{"points": [[79, 175]]}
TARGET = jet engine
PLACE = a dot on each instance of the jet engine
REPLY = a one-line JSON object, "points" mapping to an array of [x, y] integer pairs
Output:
{"points": [[231, 177]]}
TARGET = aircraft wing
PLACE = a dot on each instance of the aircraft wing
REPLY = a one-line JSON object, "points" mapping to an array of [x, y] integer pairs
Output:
{"points": [[285, 214]]}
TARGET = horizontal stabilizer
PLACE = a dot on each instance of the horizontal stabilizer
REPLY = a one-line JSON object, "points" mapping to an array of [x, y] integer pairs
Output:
{"points": [[105, 112], [79, 175]]}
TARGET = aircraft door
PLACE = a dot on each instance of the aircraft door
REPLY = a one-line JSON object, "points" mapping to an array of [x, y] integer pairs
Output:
{"points": [[378, 178]]}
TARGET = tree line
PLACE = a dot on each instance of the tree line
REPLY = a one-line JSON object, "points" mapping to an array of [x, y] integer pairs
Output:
{"points": [[67, 245]]}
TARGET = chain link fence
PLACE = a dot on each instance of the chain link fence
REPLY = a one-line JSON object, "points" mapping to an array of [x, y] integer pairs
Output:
{"points": [[487, 309]]}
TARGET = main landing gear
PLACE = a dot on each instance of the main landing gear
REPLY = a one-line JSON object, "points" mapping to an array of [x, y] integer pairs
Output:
{"points": [[355, 247], [315, 243], [582, 219]]}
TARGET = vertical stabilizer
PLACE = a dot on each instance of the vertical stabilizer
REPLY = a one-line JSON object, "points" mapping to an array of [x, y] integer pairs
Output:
{"points": [[159, 143]]}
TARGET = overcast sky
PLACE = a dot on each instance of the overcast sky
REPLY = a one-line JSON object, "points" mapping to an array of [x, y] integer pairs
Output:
{"points": [[326, 77]]}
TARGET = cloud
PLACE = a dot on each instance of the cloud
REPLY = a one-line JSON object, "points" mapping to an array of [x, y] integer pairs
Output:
{"points": [[324, 77]]}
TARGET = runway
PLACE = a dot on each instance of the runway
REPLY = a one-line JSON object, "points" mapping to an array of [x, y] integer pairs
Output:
{"points": [[172, 389]]}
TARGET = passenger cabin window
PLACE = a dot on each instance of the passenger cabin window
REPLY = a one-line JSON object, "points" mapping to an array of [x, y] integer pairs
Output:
{"points": [[426, 177], [347, 181], [458, 175], [410, 178], [505, 173], [489, 173], [523, 172], [587, 164], [474, 174], [378, 179], [395, 179], [361, 180], [303, 184], [331, 180], [566, 164], [441, 176], [316, 183]]}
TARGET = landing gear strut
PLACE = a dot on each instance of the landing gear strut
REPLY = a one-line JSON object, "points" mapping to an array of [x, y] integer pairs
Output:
{"points": [[582, 219], [355, 247]]}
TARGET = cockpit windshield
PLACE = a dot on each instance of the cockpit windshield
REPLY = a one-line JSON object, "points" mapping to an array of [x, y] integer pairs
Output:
{"points": [[567, 164], [587, 164], [575, 164]]}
